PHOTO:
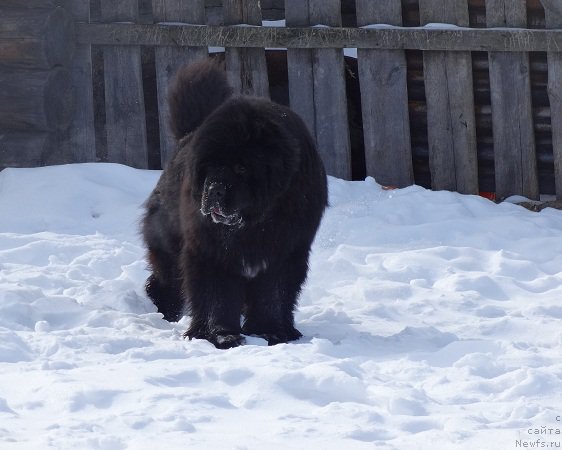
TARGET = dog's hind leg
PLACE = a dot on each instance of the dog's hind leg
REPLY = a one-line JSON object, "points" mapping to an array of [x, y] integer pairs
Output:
{"points": [[163, 286]]}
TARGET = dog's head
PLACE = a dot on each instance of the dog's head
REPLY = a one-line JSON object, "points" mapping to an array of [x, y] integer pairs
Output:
{"points": [[242, 160]]}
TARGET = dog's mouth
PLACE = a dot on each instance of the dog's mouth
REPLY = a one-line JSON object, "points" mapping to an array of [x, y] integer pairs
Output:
{"points": [[219, 216]]}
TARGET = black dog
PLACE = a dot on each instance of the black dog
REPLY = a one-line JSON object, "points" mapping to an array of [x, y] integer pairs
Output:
{"points": [[230, 223]]}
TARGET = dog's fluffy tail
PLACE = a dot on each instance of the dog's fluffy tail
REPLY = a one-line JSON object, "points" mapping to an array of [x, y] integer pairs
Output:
{"points": [[198, 89]]}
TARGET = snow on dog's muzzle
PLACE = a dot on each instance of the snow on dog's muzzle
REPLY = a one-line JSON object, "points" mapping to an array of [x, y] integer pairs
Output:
{"points": [[212, 204]]}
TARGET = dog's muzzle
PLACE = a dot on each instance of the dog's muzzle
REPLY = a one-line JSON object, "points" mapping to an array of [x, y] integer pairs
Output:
{"points": [[212, 201]]}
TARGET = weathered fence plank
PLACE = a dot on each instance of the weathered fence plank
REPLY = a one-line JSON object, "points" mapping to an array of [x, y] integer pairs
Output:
{"points": [[79, 139], [300, 66], [36, 39], [246, 68], [454, 39], [315, 91], [169, 59], [330, 100], [384, 100], [451, 125], [553, 13], [512, 116], [124, 100], [36, 100]]}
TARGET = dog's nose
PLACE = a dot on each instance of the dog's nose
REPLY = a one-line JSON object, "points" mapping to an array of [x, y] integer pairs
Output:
{"points": [[216, 192]]}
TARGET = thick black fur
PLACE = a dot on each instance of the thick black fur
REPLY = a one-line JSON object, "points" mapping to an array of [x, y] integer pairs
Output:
{"points": [[230, 223]]}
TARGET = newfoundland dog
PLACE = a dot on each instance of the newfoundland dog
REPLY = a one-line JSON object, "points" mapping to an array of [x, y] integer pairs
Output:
{"points": [[230, 223]]}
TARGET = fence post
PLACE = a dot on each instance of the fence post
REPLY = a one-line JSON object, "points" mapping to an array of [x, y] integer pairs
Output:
{"points": [[451, 127], [246, 67], [384, 100], [512, 115], [553, 12], [169, 59], [124, 97]]}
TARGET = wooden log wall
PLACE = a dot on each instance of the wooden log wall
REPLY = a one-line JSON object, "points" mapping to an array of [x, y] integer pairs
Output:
{"points": [[36, 93], [430, 106]]}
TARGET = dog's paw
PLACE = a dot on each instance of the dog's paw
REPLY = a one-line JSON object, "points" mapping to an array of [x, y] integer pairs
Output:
{"points": [[221, 340], [282, 337], [224, 341]]}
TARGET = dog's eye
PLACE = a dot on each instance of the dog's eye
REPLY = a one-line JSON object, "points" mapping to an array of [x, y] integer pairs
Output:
{"points": [[239, 169]]}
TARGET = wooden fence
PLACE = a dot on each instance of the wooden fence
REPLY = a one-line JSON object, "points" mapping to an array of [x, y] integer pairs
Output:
{"points": [[471, 106]]}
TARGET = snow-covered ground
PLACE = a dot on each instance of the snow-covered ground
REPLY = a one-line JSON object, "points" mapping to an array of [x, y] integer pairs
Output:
{"points": [[432, 320]]}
